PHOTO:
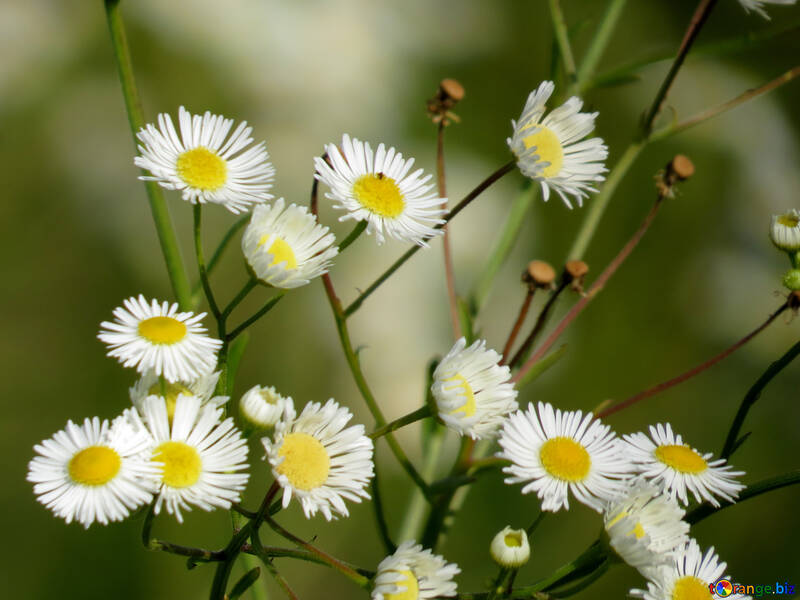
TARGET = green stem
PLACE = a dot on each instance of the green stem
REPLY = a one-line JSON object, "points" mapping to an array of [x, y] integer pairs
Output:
{"points": [[582, 585], [412, 417], [598, 45], [156, 545], [353, 236], [562, 38], [418, 504], [133, 105], [591, 559], [220, 249], [380, 517], [248, 287], [201, 263], [261, 312]]}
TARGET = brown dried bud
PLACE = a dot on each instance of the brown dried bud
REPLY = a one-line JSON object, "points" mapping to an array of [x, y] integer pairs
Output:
{"points": [[450, 91], [680, 168], [539, 273], [574, 272]]}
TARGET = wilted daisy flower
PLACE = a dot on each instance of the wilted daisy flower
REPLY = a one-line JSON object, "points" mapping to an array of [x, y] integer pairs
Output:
{"points": [[689, 576], [757, 5], [287, 248], [510, 548], [377, 188], [549, 150], [412, 573], [204, 163], [666, 460], [644, 526], [151, 384], [94, 472], [319, 461], [199, 455], [471, 390], [784, 231], [554, 452], [263, 407], [159, 338]]}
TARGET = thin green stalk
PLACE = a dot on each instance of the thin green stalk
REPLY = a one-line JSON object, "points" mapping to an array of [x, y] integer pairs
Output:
{"points": [[353, 236], [380, 516], [156, 545], [421, 413], [220, 249], [584, 583], [241, 295], [562, 38], [598, 45], [133, 105], [591, 559], [261, 312], [201, 263], [410, 527], [247, 582]]}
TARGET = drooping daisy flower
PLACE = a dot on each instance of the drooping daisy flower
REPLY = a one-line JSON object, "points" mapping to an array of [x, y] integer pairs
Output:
{"points": [[199, 455], [553, 452], [666, 460], [412, 573], [644, 526], [549, 150], [784, 231], [286, 247], [471, 390], [319, 461], [94, 472], [263, 407], [510, 548], [689, 576], [156, 337], [204, 163], [757, 5], [151, 384], [378, 189]]}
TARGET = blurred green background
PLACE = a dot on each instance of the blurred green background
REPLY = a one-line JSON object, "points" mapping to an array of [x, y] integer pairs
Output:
{"points": [[77, 238]]}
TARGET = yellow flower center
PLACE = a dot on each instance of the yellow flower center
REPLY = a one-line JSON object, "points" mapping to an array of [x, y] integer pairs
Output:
{"points": [[281, 252], [468, 408], [170, 392], [306, 463], [565, 459], [162, 330], [548, 148], [637, 530], [690, 587], [789, 220], [513, 540], [95, 465], [202, 169], [379, 194], [182, 464], [681, 458], [410, 583]]}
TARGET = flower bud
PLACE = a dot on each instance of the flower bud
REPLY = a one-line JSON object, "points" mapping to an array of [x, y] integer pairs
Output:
{"points": [[263, 407], [510, 548], [792, 280], [784, 231], [539, 273]]}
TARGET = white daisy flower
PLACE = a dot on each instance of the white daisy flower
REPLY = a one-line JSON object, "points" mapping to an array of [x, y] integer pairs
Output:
{"points": [[510, 548], [758, 5], [94, 472], [689, 576], [666, 460], [412, 573], [287, 247], [644, 525], [471, 390], [151, 384], [549, 150], [199, 455], [156, 337], [319, 461], [554, 452], [378, 189], [204, 163], [784, 231], [263, 407]]}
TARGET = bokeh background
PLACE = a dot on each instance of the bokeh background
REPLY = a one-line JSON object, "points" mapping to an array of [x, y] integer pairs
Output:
{"points": [[76, 238]]}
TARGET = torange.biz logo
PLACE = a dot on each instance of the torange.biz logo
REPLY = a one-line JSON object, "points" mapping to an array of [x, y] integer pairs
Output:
{"points": [[725, 587]]}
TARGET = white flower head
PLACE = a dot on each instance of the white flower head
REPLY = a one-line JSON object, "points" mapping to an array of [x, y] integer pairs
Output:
{"points": [[204, 163], [666, 459], [318, 460], [758, 5], [94, 472], [377, 188], [472, 390], [200, 456], [412, 573], [553, 452], [549, 150], [287, 247], [784, 231], [263, 407], [156, 337], [151, 384], [510, 548]]}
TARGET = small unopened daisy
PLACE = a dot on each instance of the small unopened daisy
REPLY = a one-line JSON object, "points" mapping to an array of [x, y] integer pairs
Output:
{"points": [[263, 407], [153, 336], [758, 5], [510, 548], [287, 247], [318, 460], [204, 163], [554, 452], [151, 384], [688, 576], [643, 525], [549, 150], [666, 459], [472, 391], [94, 472], [377, 188], [412, 573], [200, 457], [784, 231]]}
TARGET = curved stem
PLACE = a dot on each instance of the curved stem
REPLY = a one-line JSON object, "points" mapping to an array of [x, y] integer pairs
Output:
{"points": [[217, 255], [261, 312], [523, 312], [353, 235], [201, 263], [449, 272], [248, 287], [562, 39], [380, 518], [541, 321], [598, 45], [412, 417]]}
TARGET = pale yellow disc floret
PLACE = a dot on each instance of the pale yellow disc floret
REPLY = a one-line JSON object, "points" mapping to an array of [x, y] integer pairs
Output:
{"points": [[409, 582], [513, 540], [548, 149], [182, 464], [789, 220], [379, 194], [162, 330], [690, 587], [637, 530], [280, 251], [681, 458], [306, 463], [468, 408], [202, 169], [565, 459], [170, 392], [95, 465]]}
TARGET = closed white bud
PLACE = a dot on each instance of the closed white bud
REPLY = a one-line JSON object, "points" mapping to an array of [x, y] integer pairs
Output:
{"points": [[784, 231], [263, 407], [510, 548]]}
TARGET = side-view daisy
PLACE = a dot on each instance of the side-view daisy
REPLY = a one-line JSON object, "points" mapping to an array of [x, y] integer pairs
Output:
{"points": [[94, 472], [287, 247], [784, 231], [758, 5], [263, 407], [204, 163], [472, 390], [200, 457], [319, 461], [412, 573], [377, 188], [549, 150], [156, 337], [554, 452], [151, 384], [666, 459]]}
